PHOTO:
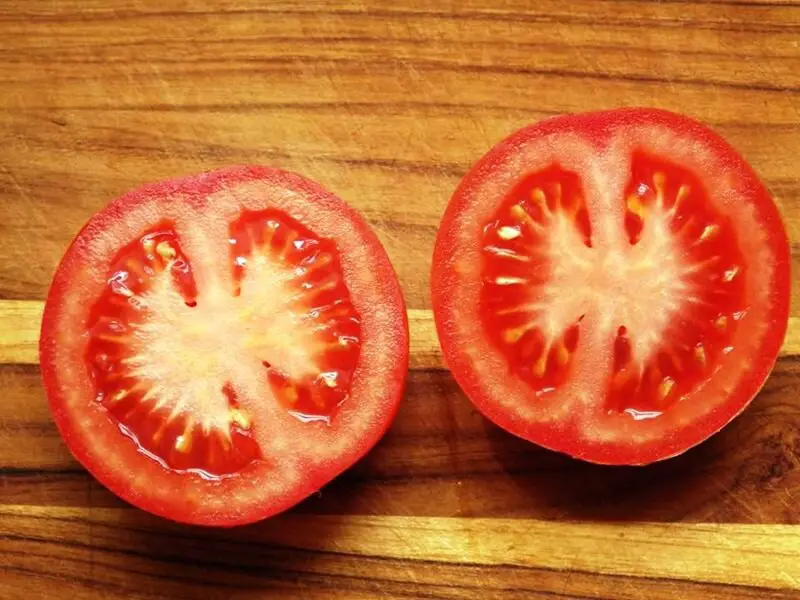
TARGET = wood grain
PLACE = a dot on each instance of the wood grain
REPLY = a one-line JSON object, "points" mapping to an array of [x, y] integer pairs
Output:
{"points": [[386, 104], [400, 557]]}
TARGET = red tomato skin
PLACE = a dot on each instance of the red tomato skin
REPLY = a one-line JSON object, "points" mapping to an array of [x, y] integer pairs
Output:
{"points": [[598, 128], [194, 190]]}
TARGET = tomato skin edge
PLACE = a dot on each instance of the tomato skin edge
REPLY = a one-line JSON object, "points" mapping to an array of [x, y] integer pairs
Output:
{"points": [[196, 188], [597, 128]]}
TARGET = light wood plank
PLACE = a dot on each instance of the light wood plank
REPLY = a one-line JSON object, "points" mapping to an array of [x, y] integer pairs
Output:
{"points": [[767, 557]]}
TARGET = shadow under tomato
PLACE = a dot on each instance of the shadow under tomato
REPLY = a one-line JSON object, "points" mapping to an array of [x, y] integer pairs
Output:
{"points": [[284, 556], [442, 458], [738, 475]]}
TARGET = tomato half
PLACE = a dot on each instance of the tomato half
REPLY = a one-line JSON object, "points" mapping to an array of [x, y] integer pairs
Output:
{"points": [[216, 348], [613, 285]]}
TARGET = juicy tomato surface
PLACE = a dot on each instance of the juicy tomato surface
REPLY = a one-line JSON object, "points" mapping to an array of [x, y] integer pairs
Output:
{"points": [[218, 347], [612, 285]]}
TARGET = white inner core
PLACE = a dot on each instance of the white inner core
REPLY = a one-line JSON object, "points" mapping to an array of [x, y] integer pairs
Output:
{"points": [[640, 286], [188, 354]]}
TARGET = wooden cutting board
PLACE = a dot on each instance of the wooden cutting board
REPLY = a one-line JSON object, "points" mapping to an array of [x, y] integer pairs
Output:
{"points": [[387, 104]]}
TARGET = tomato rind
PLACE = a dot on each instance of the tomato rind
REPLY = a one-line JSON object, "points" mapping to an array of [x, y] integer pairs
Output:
{"points": [[480, 368], [321, 452]]}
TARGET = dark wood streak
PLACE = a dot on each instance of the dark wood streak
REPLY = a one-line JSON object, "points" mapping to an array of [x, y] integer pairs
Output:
{"points": [[380, 108], [463, 15], [374, 108], [359, 64], [35, 53]]}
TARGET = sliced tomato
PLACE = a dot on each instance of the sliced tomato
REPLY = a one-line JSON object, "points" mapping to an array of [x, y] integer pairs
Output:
{"points": [[218, 347], [613, 285]]}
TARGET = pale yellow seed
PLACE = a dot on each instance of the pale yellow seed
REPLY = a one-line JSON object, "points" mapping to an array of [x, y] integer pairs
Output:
{"points": [[508, 233], [290, 394], [166, 251], [562, 354], [709, 231], [541, 365], [700, 354], [113, 338], [730, 274], [502, 280], [120, 395], [659, 179], [721, 322], [683, 191], [519, 213], [240, 417], [329, 379], [183, 443], [665, 387], [121, 289], [512, 336], [635, 206]]}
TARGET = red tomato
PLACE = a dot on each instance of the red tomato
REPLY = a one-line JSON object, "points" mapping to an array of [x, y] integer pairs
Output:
{"points": [[218, 347], [614, 285]]}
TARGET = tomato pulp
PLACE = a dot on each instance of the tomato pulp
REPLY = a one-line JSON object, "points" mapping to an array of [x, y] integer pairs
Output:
{"points": [[216, 348], [612, 285]]}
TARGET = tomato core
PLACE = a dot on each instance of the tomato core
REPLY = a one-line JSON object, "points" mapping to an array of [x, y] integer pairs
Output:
{"points": [[672, 289]]}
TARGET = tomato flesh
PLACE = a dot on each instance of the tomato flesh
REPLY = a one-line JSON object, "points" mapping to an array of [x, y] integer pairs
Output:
{"points": [[242, 340], [595, 284]]}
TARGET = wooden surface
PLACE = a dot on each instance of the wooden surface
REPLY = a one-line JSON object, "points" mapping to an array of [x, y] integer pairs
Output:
{"points": [[387, 104]]}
